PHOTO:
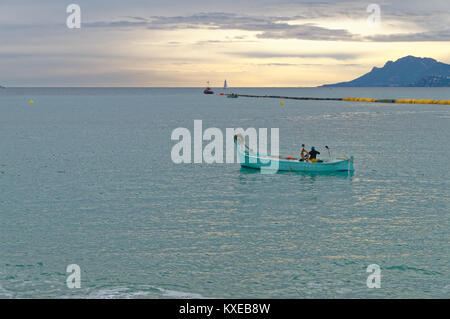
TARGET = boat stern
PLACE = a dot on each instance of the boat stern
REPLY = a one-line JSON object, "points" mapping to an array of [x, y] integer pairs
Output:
{"points": [[350, 164]]}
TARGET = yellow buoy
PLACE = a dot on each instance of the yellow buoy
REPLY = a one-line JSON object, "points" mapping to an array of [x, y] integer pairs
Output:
{"points": [[31, 102], [281, 103]]}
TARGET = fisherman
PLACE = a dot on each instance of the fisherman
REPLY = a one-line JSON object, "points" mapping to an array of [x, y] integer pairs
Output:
{"points": [[313, 154], [304, 155]]}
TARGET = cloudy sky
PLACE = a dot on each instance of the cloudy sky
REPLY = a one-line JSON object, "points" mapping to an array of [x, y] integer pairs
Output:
{"points": [[188, 42]]}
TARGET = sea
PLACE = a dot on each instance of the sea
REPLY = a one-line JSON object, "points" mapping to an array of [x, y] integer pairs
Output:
{"points": [[87, 179]]}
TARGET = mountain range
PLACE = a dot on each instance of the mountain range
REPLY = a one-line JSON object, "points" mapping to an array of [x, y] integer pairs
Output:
{"points": [[408, 71]]}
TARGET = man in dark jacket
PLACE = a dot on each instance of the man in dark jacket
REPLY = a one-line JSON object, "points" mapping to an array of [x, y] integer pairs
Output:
{"points": [[313, 154]]}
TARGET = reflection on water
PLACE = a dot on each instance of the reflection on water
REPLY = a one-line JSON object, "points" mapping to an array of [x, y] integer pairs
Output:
{"points": [[339, 174]]}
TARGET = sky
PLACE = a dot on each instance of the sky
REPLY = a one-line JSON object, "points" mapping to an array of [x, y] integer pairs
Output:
{"points": [[182, 43]]}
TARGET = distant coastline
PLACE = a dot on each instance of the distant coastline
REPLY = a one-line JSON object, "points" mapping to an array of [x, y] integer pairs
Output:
{"points": [[408, 71]]}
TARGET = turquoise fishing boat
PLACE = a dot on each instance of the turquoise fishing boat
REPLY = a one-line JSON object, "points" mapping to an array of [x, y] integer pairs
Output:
{"points": [[250, 159]]}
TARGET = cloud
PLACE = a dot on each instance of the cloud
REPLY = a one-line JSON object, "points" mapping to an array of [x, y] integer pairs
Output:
{"points": [[279, 64], [234, 40], [315, 55], [211, 20], [271, 27], [116, 24], [309, 32], [270, 19], [443, 35], [308, 64], [281, 27]]}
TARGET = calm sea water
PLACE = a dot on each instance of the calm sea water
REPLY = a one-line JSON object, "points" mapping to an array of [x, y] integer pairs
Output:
{"points": [[86, 178]]}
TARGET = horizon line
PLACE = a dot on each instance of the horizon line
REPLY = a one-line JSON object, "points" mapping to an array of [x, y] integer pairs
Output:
{"points": [[213, 87]]}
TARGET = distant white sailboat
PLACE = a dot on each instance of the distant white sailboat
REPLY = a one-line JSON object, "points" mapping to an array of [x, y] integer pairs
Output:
{"points": [[225, 85]]}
